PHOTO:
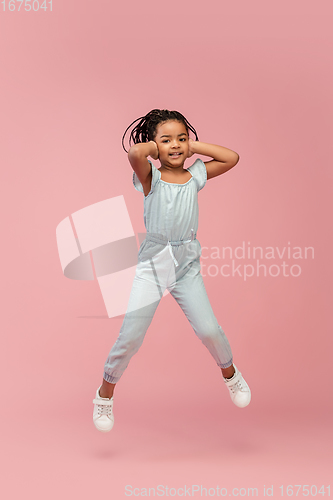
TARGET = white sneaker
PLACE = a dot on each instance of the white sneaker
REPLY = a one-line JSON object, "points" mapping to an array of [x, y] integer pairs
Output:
{"points": [[103, 415], [239, 390]]}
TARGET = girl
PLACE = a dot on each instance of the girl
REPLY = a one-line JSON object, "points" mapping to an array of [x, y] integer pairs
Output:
{"points": [[169, 257]]}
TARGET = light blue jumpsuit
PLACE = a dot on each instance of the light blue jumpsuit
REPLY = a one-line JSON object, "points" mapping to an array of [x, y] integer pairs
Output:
{"points": [[169, 258]]}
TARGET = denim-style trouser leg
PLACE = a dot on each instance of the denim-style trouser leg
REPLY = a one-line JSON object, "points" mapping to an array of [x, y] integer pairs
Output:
{"points": [[184, 281]]}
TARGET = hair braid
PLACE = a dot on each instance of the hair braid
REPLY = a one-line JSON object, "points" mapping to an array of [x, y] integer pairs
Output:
{"points": [[145, 130]]}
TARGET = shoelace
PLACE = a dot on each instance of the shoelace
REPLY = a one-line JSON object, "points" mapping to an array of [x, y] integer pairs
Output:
{"points": [[104, 407], [237, 386]]}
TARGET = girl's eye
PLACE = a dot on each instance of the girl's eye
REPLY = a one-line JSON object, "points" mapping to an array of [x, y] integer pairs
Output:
{"points": [[166, 140]]}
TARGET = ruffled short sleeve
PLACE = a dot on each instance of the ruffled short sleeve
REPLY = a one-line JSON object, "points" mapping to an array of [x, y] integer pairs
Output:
{"points": [[199, 172], [156, 175]]}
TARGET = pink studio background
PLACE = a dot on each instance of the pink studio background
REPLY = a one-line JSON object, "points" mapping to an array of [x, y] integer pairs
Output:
{"points": [[255, 77]]}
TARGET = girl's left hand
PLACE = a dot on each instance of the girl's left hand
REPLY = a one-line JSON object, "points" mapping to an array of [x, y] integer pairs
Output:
{"points": [[190, 148]]}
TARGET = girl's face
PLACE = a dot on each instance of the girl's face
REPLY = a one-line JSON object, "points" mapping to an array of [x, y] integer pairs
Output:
{"points": [[172, 142]]}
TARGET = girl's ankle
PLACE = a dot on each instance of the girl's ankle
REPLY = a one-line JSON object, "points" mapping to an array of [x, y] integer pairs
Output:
{"points": [[108, 396]]}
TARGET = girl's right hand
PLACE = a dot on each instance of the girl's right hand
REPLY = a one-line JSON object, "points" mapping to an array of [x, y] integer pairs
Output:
{"points": [[155, 154]]}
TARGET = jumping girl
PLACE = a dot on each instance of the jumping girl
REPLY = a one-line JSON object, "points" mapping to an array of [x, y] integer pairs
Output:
{"points": [[169, 257]]}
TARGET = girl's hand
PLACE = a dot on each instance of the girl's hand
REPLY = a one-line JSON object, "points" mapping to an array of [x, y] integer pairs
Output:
{"points": [[190, 148], [155, 153]]}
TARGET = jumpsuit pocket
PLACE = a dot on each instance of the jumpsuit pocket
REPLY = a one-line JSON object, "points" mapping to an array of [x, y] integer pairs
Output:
{"points": [[141, 247], [200, 250], [149, 249]]}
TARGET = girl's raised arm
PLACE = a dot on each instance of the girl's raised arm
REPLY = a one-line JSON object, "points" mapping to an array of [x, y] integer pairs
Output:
{"points": [[137, 156], [224, 158]]}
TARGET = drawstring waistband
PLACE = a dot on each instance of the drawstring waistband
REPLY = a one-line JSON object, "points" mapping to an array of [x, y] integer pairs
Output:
{"points": [[160, 238]]}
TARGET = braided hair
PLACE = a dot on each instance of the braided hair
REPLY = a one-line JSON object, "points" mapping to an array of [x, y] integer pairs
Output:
{"points": [[145, 130]]}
